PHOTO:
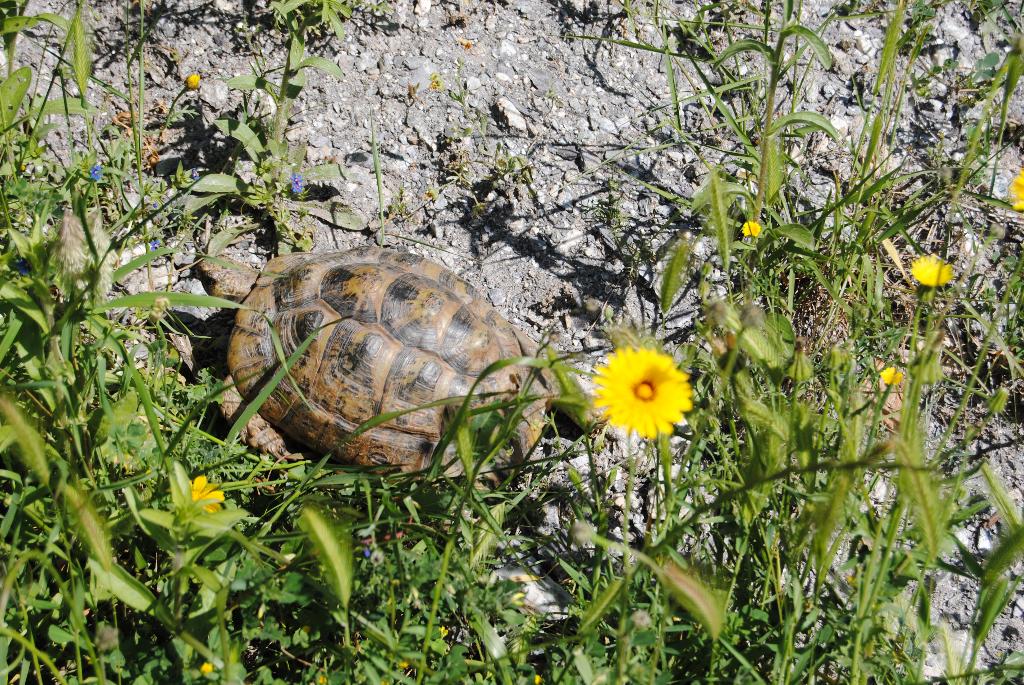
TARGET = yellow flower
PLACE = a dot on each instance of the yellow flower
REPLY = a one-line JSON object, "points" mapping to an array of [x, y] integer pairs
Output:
{"points": [[890, 376], [403, 665], [1017, 192], [443, 631], [931, 272], [537, 680], [207, 494], [642, 390], [192, 81], [751, 229], [206, 668], [321, 679]]}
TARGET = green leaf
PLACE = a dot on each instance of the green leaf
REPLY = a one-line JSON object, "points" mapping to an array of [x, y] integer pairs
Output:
{"points": [[774, 168], [797, 233], [16, 24], [12, 92], [224, 237], [821, 50], [181, 487], [122, 272], [332, 543], [66, 107], [163, 519], [217, 522], [144, 300], [220, 183], [243, 134], [58, 635], [705, 604], [672, 278], [336, 214], [495, 646], [324, 65], [129, 589], [13, 295], [325, 172], [250, 82], [745, 45], [806, 120]]}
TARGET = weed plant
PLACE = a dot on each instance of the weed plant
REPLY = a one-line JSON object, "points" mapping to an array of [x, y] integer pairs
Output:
{"points": [[792, 530]]}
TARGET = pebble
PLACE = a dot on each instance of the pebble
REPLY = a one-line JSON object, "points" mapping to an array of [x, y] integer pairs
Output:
{"points": [[506, 49], [498, 296], [599, 122], [510, 114], [473, 84], [216, 94]]}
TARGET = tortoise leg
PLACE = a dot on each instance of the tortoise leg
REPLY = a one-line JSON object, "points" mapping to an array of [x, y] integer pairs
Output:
{"points": [[257, 433]]}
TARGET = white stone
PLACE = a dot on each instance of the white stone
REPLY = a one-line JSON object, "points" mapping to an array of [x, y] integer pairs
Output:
{"points": [[511, 114]]}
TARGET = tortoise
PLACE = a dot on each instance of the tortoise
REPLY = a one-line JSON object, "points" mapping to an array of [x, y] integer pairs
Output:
{"points": [[389, 331]]}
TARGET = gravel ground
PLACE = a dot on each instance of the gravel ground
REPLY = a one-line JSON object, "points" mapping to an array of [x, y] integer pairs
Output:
{"points": [[545, 132]]}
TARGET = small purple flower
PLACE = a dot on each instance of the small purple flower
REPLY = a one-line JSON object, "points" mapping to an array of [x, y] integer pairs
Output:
{"points": [[22, 267], [154, 244], [366, 552], [96, 172], [195, 174], [297, 183]]}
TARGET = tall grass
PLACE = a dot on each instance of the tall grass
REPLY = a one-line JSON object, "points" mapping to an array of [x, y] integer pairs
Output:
{"points": [[792, 530]]}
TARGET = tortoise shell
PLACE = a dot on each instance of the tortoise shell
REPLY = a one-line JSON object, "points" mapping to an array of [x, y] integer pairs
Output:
{"points": [[390, 331]]}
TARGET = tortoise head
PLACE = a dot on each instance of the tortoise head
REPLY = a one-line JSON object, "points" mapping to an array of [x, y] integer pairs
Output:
{"points": [[227, 278]]}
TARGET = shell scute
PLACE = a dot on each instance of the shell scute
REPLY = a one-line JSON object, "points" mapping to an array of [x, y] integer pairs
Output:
{"points": [[390, 331]]}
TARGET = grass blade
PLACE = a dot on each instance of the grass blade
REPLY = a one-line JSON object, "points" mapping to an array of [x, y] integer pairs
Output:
{"points": [[332, 543]]}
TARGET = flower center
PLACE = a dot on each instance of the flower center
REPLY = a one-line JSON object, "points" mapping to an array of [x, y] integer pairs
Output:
{"points": [[644, 391]]}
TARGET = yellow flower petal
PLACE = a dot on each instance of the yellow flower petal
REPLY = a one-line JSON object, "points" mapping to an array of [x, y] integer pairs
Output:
{"points": [[751, 229], [1017, 192], [643, 391], [891, 376], [192, 81], [207, 494], [206, 668], [931, 272]]}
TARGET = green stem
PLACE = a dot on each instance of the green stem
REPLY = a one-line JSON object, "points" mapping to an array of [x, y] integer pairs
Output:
{"points": [[773, 83]]}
